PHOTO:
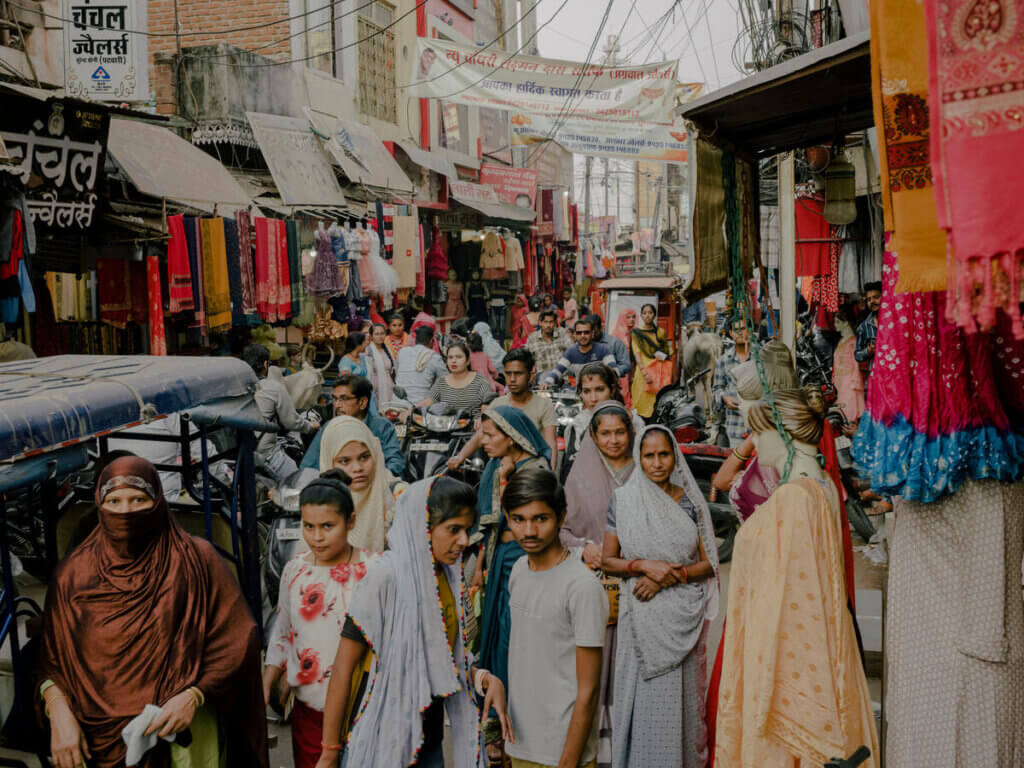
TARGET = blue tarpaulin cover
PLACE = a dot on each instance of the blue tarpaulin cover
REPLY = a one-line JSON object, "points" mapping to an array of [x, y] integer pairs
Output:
{"points": [[53, 401]]}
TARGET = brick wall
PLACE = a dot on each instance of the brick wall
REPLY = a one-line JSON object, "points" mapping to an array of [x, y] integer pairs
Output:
{"points": [[199, 15]]}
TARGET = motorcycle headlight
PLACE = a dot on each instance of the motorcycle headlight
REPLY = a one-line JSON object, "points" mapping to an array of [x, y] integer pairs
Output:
{"points": [[286, 498], [439, 422]]}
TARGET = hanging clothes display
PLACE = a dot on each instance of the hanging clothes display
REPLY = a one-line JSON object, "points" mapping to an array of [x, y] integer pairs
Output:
{"points": [[122, 291], [354, 246], [366, 278], [157, 336], [437, 258], [943, 405], [179, 274], [385, 278], [813, 235], [899, 86], [246, 266], [974, 87], [492, 257], [234, 266], [324, 280], [294, 267], [284, 271], [216, 287], [825, 287]]}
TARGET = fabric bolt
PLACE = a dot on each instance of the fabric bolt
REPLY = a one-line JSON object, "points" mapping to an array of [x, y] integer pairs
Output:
{"points": [[974, 86], [140, 576], [216, 286], [902, 104], [708, 220], [291, 227], [246, 238], [234, 267], [812, 258], [797, 695], [955, 636], [398, 610], [157, 336], [406, 257], [311, 610], [374, 505], [942, 405], [179, 274]]}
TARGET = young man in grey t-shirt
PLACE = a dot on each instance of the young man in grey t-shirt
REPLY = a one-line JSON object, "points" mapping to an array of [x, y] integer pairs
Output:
{"points": [[559, 612]]}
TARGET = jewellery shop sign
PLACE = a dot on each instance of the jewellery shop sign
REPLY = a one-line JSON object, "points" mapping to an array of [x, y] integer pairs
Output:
{"points": [[104, 52], [55, 149]]}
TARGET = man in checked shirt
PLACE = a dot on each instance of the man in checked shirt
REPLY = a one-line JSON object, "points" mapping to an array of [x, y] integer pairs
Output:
{"points": [[724, 400]]}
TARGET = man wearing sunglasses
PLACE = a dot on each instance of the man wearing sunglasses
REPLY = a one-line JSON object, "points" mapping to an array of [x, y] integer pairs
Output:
{"points": [[584, 351], [352, 398]]}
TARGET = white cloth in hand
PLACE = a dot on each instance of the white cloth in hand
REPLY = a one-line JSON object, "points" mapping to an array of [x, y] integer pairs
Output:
{"points": [[661, 355], [135, 738]]}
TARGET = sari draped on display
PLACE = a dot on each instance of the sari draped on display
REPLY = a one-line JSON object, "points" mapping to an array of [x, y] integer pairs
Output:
{"points": [[498, 556], [375, 505], [793, 691], [138, 613], [397, 607], [660, 668]]}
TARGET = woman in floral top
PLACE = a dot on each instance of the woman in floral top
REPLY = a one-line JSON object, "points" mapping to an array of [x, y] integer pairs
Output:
{"points": [[315, 590]]}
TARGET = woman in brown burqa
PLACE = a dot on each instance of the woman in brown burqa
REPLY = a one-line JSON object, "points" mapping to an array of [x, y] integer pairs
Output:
{"points": [[143, 613]]}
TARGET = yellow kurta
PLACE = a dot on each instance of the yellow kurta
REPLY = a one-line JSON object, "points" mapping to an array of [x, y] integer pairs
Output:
{"points": [[643, 401], [793, 692]]}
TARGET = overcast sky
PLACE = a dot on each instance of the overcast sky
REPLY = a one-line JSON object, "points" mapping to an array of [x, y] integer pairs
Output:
{"points": [[699, 34]]}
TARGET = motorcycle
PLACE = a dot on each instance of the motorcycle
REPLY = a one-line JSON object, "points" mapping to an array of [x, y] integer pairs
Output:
{"points": [[434, 435], [567, 407], [676, 407]]}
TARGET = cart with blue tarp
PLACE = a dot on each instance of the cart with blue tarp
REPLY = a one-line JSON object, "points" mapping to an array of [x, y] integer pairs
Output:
{"points": [[59, 416]]}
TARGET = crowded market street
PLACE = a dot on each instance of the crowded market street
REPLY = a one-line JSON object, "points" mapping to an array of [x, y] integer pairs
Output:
{"points": [[511, 384]]}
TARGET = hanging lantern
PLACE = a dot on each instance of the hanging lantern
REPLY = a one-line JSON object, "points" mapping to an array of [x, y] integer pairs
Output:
{"points": [[840, 191]]}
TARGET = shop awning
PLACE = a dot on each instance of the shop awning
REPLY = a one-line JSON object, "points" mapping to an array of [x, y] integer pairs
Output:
{"points": [[360, 153], [434, 161], [301, 169], [163, 165], [483, 198], [810, 99]]}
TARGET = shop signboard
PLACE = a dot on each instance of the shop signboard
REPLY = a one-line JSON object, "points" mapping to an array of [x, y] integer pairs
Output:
{"points": [[56, 149], [105, 55], [516, 186], [469, 192]]}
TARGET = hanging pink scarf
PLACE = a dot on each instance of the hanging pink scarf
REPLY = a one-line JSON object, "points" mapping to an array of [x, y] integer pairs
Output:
{"points": [[179, 273], [157, 337], [284, 280], [975, 88], [265, 267]]}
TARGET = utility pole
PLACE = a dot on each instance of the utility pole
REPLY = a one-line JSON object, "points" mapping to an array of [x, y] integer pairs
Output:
{"points": [[618, 205], [606, 187], [586, 195]]}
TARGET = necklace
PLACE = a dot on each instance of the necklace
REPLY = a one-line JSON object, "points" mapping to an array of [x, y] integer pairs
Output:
{"points": [[562, 559]]}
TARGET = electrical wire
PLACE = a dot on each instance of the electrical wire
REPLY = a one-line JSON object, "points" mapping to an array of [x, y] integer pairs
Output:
{"points": [[262, 65]]}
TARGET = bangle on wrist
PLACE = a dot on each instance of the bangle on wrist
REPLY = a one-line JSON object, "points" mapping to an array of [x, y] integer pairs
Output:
{"points": [[632, 568], [478, 681], [685, 575], [740, 456]]}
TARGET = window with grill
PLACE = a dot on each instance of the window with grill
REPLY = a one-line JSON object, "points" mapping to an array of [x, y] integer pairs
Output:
{"points": [[377, 97]]}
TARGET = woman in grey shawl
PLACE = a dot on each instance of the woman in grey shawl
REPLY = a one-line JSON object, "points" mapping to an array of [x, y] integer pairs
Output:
{"points": [[661, 541], [407, 620]]}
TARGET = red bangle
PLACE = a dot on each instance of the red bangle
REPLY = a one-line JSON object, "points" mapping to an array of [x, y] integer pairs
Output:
{"points": [[332, 747], [631, 568], [685, 576]]}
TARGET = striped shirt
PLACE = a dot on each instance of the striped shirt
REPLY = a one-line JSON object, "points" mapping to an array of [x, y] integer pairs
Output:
{"points": [[470, 397]]}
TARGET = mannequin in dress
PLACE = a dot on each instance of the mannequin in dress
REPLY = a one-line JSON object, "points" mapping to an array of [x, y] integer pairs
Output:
{"points": [[797, 695]]}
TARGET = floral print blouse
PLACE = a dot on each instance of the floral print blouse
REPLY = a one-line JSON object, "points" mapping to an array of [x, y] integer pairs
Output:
{"points": [[311, 610]]}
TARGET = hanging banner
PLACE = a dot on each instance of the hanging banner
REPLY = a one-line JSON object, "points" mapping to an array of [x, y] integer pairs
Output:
{"points": [[105, 58], [466, 75], [516, 186]]}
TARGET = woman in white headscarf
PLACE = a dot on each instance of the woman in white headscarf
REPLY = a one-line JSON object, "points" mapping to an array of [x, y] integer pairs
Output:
{"points": [[380, 364], [349, 445], [406, 619], [660, 539], [491, 346]]}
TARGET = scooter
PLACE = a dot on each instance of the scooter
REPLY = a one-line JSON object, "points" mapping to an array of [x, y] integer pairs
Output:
{"points": [[676, 407], [434, 435]]}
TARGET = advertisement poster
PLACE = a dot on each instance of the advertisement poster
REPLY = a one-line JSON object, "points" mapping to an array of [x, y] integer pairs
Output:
{"points": [[104, 59], [516, 186]]}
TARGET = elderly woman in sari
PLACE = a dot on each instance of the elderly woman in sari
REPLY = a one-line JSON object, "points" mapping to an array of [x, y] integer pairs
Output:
{"points": [[603, 464], [661, 541], [145, 628], [649, 343], [512, 442], [349, 445]]}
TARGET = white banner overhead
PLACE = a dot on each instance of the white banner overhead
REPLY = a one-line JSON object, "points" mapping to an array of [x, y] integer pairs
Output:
{"points": [[625, 111], [467, 75]]}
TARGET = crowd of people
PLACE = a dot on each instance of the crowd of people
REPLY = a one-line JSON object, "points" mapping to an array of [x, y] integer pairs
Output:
{"points": [[556, 615]]}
